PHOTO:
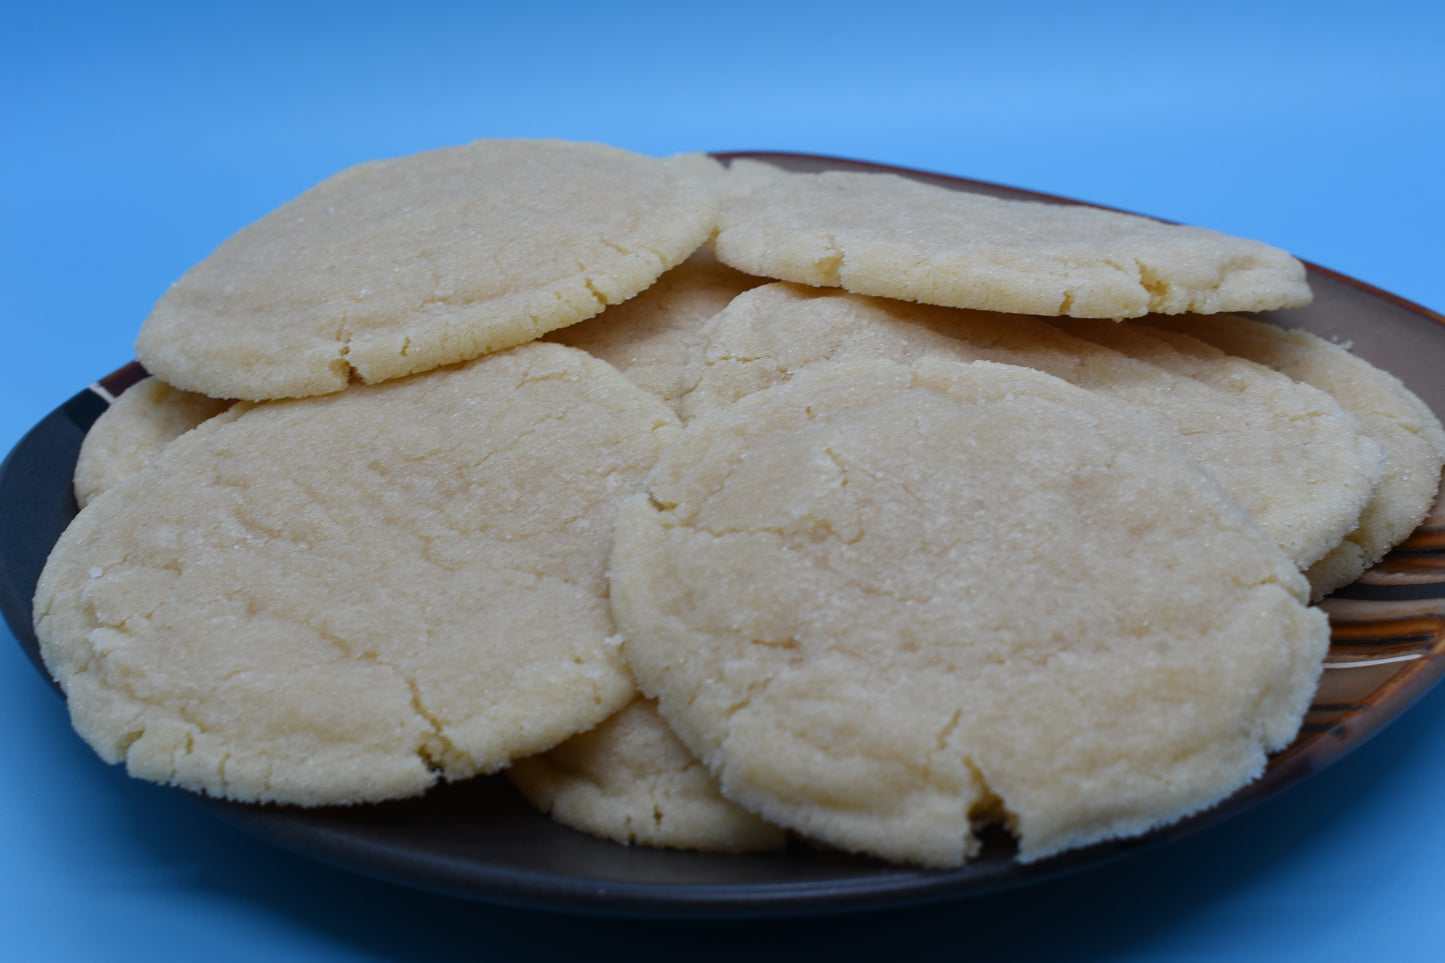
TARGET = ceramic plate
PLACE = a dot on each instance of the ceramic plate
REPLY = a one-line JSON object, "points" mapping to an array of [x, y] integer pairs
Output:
{"points": [[480, 840]]}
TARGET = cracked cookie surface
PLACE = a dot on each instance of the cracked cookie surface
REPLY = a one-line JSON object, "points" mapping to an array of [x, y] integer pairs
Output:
{"points": [[398, 266], [134, 429], [886, 235], [340, 599], [630, 780], [1406, 430], [885, 602], [1287, 452], [652, 338]]}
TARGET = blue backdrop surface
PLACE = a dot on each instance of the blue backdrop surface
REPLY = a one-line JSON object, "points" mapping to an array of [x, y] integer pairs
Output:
{"points": [[137, 137]]}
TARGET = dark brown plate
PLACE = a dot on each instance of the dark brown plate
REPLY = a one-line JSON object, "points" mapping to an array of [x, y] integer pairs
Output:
{"points": [[479, 840]]}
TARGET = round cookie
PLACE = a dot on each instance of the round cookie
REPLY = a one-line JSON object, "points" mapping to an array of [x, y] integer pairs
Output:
{"points": [[630, 780], [397, 266], [143, 420], [1285, 451], [1327, 485], [345, 598], [652, 338], [882, 602], [1406, 430], [887, 235]]}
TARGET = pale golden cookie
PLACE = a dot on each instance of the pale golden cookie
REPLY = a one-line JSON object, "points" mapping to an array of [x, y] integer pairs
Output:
{"points": [[345, 598], [745, 175], [1405, 429], [398, 266], [1285, 451], [887, 235], [143, 420], [630, 780], [1320, 478], [882, 601], [652, 338]]}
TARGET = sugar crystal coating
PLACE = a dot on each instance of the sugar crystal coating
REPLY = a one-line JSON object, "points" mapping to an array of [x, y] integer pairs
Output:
{"points": [[887, 235], [398, 266], [346, 598], [884, 602]]}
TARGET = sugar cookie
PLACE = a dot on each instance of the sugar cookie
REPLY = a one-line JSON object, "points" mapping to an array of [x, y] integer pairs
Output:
{"points": [[883, 601], [630, 780], [345, 598], [652, 338], [394, 267], [1286, 451], [887, 235], [144, 419], [1405, 429]]}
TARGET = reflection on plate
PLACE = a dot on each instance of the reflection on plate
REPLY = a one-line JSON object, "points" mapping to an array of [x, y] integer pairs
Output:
{"points": [[479, 839]]}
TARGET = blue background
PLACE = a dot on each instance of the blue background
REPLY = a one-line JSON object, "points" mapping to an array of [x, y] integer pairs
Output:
{"points": [[136, 138]]}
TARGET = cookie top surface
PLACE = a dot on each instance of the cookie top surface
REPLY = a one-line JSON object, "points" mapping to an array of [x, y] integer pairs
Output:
{"points": [[1285, 451], [397, 266], [1310, 493], [134, 429], [630, 780], [652, 338], [887, 235], [343, 598], [1406, 430], [884, 601]]}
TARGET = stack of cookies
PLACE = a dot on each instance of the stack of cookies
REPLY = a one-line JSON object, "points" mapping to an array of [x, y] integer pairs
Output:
{"points": [[721, 505]]}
